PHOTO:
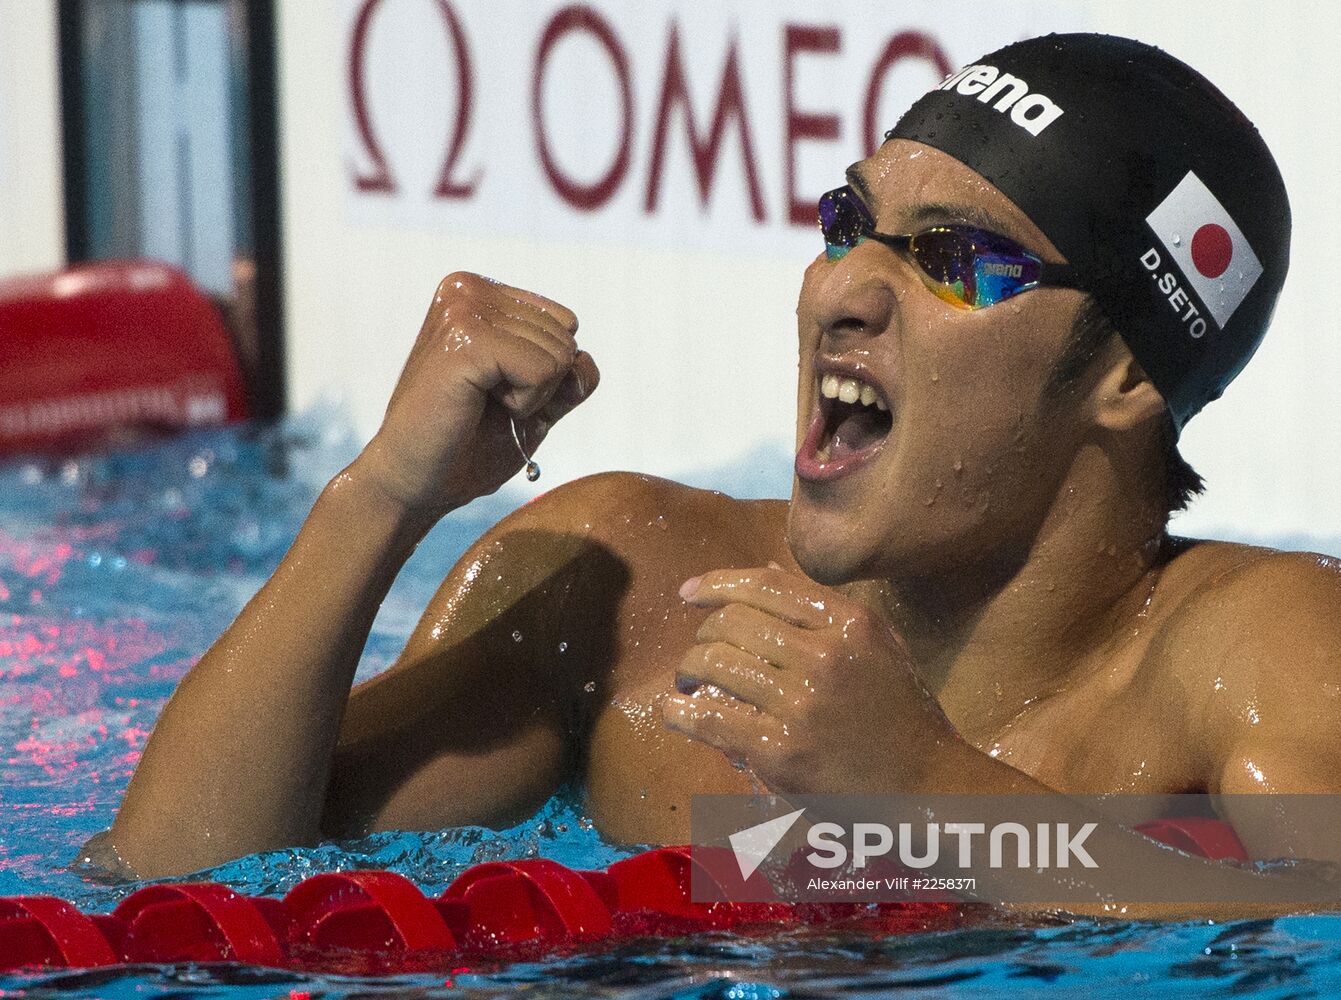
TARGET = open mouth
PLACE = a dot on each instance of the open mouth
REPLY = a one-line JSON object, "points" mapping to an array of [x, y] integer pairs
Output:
{"points": [[852, 422]]}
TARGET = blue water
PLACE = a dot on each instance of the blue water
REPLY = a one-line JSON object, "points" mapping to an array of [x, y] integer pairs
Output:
{"points": [[118, 571]]}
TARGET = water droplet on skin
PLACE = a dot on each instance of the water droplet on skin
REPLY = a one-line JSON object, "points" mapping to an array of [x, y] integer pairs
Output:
{"points": [[516, 637], [642, 793], [563, 647], [589, 687]]}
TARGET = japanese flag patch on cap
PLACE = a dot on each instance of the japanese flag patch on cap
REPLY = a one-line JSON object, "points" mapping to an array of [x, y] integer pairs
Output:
{"points": [[1203, 240]]}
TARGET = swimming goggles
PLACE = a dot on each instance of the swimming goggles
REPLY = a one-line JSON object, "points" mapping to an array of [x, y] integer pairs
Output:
{"points": [[967, 267]]}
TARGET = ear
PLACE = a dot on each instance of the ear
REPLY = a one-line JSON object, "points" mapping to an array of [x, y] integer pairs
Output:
{"points": [[1124, 397]]}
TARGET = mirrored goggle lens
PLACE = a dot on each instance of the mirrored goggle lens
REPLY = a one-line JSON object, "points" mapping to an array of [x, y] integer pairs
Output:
{"points": [[968, 270], [843, 221], [946, 257]]}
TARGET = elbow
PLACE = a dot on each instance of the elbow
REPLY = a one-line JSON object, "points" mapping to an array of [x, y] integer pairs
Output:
{"points": [[100, 858]]}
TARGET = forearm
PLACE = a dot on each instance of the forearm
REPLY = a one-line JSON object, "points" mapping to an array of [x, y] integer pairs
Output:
{"points": [[240, 757]]}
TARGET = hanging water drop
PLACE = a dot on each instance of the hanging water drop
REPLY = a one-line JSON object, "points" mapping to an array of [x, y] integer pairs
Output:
{"points": [[532, 467]]}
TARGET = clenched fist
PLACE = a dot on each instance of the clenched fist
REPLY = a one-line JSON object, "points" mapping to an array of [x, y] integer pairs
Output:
{"points": [[486, 355]]}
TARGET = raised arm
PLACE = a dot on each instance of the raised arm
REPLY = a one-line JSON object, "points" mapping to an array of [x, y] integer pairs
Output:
{"points": [[240, 759]]}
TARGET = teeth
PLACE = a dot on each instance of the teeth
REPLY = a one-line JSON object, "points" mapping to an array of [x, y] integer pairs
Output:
{"points": [[850, 390]]}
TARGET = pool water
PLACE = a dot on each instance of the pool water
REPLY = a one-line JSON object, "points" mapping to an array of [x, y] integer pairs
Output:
{"points": [[117, 571]]}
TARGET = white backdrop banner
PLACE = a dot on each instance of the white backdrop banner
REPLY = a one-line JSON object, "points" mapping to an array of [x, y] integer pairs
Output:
{"points": [[666, 123]]}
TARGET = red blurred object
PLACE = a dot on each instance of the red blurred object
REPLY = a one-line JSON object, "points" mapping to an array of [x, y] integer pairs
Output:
{"points": [[1206, 836], [365, 922], [106, 346], [652, 895]]}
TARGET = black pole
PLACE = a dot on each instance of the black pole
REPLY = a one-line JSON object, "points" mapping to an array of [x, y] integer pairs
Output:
{"points": [[263, 125], [70, 28]]}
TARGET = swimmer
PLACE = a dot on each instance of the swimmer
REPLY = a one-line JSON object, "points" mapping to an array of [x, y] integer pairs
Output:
{"points": [[1053, 262]]}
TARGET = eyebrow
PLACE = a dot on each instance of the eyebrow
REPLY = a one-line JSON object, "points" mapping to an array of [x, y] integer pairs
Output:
{"points": [[974, 215], [938, 211], [858, 183]]}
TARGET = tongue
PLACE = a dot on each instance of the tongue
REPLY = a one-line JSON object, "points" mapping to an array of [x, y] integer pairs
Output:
{"points": [[856, 432]]}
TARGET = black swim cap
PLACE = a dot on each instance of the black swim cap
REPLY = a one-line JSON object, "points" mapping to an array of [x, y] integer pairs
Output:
{"points": [[1151, 183]]}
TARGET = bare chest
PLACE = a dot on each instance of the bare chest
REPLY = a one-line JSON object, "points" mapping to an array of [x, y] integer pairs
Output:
{"points": [[640, 776], [1122, 729]]}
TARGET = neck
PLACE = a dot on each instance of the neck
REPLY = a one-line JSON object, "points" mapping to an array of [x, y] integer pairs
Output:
{"points": [[1004, 632]]}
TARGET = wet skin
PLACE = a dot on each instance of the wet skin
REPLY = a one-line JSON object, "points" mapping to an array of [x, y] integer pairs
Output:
{"points": [[988, 602]]}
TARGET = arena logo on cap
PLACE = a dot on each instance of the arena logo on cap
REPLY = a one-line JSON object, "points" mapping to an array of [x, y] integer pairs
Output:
{"points": [[1210, 250], [1032, 112]]}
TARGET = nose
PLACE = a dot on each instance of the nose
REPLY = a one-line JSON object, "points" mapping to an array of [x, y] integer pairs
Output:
{"points": [[853, 297]]}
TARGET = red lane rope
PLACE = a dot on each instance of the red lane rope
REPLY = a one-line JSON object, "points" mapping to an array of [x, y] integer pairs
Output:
{"points": [[376, 921]]}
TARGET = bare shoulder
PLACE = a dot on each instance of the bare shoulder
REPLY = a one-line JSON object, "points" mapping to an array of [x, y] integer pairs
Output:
{"points": [[1251, 627], [631, 510], [607, 493], [591, 511], [600, 535], [1243, 589]]}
